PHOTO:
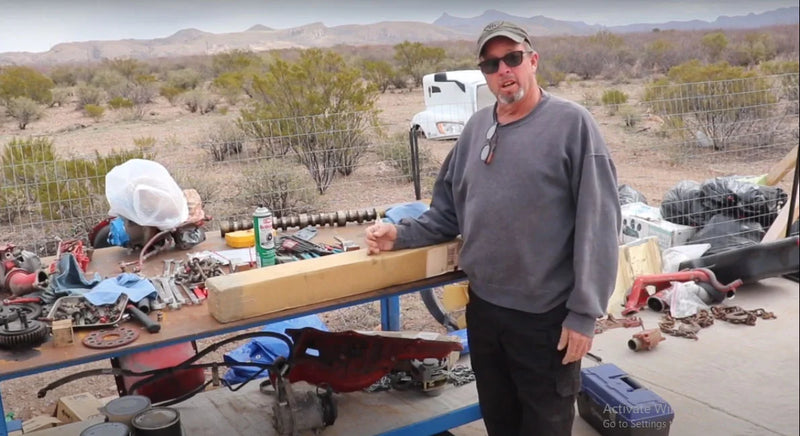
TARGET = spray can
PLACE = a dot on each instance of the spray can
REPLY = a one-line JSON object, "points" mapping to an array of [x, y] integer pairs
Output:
{"points": [[265, 242]]}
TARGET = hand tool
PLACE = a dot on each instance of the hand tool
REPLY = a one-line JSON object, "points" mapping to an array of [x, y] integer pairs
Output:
{"points": [[149, 324]]}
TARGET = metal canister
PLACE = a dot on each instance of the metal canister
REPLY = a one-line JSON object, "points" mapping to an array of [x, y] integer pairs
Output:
{"points": [[158, 421], [265, 241], [107, 429], [123, 409]]}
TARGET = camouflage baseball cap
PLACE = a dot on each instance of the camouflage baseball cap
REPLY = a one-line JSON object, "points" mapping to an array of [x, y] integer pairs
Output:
{"points": [[502, 28]]}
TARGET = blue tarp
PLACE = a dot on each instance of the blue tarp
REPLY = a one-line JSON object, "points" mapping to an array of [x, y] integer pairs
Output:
{"points": [[266, 350]]}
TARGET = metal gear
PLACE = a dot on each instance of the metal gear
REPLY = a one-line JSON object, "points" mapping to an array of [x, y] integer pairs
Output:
{"points": [[11, 312], [22, 332]]}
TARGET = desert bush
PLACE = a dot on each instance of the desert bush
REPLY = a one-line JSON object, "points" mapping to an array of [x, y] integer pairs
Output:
{"points": [[171, 93], [60, 96], [88, 94], [226, 140], [185, 79], [379, 73], [755, 48], [630, 116], [397, 152], [94, 111], [24, 110], [235, 60], [548, 75], [284, 188], [786, 74], [12, 203], [126, 67], [416, 59], [714, 44], [612, 98], [25, 82], [715, 103], [110, 81], [120, 103], [319, 106], [63, 75], [199, 101], [230, 85]]}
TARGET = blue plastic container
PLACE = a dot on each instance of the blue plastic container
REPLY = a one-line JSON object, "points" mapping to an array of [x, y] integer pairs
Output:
{"points": [[617, 405]]}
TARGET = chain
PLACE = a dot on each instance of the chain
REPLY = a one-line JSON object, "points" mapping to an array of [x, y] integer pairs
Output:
{"points": [[461, 375], [689, 326]]}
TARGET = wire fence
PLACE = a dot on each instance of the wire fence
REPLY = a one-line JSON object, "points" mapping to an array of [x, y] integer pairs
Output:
{"points": [[353, 161]]}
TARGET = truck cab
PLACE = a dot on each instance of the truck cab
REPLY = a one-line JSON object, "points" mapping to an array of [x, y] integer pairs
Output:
{"points": [[450, 99]]}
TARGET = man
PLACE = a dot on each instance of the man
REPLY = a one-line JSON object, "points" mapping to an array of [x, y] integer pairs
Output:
{"points": [[532, 190]]}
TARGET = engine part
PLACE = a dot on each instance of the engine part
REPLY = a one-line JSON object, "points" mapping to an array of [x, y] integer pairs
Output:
{"points": [[350, 361], [11, 311], [294, 413], [638, 293], [232, 225], [645, 340], [20, 282], [657, 302], [22, 332], [111, 338]]}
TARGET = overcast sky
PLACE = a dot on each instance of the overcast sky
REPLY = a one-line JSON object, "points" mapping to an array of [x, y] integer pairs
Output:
{"points": [[37, 25]]}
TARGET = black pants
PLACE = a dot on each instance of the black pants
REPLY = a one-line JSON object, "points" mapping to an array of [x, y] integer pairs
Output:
{"points": [[523, 387]]}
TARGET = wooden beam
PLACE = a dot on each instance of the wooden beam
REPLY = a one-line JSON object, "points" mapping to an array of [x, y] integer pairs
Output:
{"points": [[779, 170]]}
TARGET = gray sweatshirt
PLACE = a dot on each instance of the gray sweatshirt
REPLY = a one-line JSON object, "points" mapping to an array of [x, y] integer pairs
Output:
{"points": [[540, 223]]}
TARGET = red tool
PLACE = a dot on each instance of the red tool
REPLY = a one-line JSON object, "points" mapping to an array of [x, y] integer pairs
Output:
{"points": [[638, 296], [22, 300], [350, 361]]}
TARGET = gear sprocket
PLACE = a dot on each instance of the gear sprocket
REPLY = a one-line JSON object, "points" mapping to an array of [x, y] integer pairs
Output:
{"points": [[21, 333]]}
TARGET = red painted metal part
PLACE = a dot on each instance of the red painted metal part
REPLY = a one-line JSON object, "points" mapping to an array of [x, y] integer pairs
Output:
{"points": [[350, 361], [179, 384], [638, 296]]}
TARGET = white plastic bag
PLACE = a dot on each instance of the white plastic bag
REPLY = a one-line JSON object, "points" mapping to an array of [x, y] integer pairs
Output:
{"points": [[144, 192], [684, 299], [672, 257]]}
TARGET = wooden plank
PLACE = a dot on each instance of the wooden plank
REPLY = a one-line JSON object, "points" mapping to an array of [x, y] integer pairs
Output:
{"points": [[779, 170], [778, 228], [636, 258]]}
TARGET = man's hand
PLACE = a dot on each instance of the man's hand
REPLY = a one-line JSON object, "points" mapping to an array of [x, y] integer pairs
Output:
{"points": [[380, 237], [577, 345]]}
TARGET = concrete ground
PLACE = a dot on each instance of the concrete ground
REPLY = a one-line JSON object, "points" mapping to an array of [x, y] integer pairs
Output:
{"points": [[734, 380]]}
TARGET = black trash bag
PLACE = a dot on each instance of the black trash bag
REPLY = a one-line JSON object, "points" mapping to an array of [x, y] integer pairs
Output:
{"points": [[683, 204], [720, 196], [760, 203], [726, 233], [629, 195]]}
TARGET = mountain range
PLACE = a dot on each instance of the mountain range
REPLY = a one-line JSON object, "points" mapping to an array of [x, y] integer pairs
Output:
{"points": [[445, 28]]}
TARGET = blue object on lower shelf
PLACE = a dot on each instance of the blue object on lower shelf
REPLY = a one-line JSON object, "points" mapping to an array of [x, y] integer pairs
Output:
{"points": [[615, 404]]}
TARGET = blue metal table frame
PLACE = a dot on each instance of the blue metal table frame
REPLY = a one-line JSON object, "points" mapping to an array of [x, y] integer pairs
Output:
{"points": [[390, 320]]}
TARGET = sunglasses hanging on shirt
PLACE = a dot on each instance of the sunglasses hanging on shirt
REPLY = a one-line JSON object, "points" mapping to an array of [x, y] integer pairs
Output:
{"points": [[487, 152]]}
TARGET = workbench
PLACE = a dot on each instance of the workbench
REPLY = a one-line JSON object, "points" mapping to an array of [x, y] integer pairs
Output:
{"points": [[194, 322]]}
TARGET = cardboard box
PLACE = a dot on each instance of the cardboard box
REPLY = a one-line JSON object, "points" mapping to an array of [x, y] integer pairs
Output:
{"points": [[78, 407], [640, 220], [297, 284], [39, 422]]}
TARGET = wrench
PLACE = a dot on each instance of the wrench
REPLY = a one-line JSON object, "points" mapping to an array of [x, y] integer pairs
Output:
{"points": [[171, 299], [161, 300], [175, 291], [188, 292]]}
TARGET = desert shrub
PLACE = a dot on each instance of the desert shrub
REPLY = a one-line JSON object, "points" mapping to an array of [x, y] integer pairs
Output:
{"points": [[58, 188], [60, 96], [25, 82], [12, 203], [185, 78], [171, 93], [63, 75], [24, 110], [94, 111], [126, 67], [786, 74], [88, 94], [284, 188], [319, 107], [549, 76], [230, 85], [714, 44], [120, 103], [110, 81], [379, 73], [416, 59], [396, 151], [227, 140], [614, 97], [145, 143], [199, 101], [630, 116], [755, 48], [716, 103]]}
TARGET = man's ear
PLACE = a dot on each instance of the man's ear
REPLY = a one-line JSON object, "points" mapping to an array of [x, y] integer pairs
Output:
{"points": [[534, 60]]}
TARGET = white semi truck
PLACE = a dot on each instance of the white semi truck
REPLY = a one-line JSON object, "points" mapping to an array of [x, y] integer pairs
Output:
{"points": [[450, 99]]}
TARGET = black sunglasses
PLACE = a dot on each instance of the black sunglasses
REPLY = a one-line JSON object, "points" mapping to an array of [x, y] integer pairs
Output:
{"points": [[512, 59], [487, 152]]}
